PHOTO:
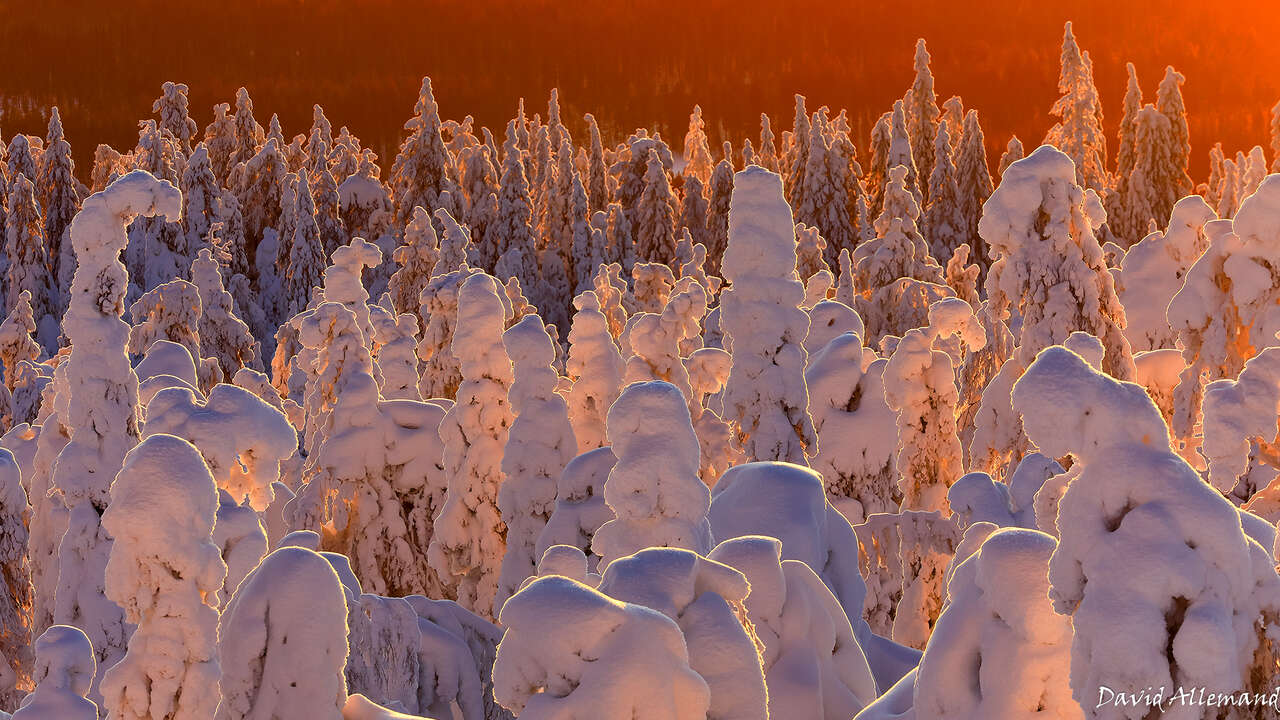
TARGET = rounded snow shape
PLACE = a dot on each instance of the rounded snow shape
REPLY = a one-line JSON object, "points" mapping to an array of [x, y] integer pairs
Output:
{"points": [[165, 357], [830, 319]]}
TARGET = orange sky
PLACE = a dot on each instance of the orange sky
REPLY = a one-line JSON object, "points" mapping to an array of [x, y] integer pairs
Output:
{"points": [[631, 62]]}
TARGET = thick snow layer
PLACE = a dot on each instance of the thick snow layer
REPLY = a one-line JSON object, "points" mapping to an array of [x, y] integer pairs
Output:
{"points": [[469, 540], [813, 665], [766, 394], [580, 504], [539, 445], [1163, 585], [242, 438], [282, 642], [570, 651], [703, 597], [102, 410], [999, 650], [653, 489], [64, 673], [166, 572]]}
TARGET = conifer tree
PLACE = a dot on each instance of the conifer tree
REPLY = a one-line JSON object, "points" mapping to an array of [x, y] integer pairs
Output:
{"points": [[171, 106], [922, 116], [248, 132], [943, 224], [767, 155], [795, 156], [201, 199], [28, 264], [1013, 152], [597, 172], [306, 255], [697, 153], [59, 202], [719, 196], [220, 140], [1169, 103], [1078, 132], [973, 180], [423, 169], [655, 215]]}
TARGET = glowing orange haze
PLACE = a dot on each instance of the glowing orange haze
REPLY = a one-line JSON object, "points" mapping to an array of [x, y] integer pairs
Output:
{"points": [[630, 62]]}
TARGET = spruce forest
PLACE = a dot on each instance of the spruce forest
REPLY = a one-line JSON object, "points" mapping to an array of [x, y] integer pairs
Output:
{"points": [[846, 418]]}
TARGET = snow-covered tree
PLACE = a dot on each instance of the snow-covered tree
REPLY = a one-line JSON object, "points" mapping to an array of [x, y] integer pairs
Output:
{"points": [[28, 269], [1152, 272], [973, 182], [222, 333], [470, 539], [305, 257], [922, 116], [15, 584], [920, 385], [697, 154], [595, 367], [943, 224], [1169, 103], [654, 490], [65, 667], [719, 199], [1078, 132], [282, 642], [1012, 153], [423, 169], [165, 571], [171, 106], [539, 444], [640, 669], [1201, 587], [1048, 267], [998, 649], [1225, 311], [765, 395], [800, 624], [102, 411], [655, 213], [59, 200]]}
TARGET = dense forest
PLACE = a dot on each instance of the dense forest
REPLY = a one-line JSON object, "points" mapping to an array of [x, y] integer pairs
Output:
{"points": [[811, 411]]}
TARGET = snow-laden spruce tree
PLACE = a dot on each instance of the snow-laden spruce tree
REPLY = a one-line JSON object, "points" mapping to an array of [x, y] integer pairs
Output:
{"points": [[1169, 103], [1152, 188], [306, 253], [705, 599], [697, 153], [223, 334], [469, 540], [423, 169], [415, 259], [595, 367], [539, 444], [1013, 153], [998, 649], [1048, 267], [1240, 426], [165, 571], [921, 105], [846, 401], [171, 106], [1152, 271], [15, 584], [654, 490], [655, 213], [59, 200], [282, 642], [973, 179], [920, 385], [812, 662], [1225, 311], [395, 357], [1078, 132], [28, 269], [101, 408], [241, 437], [64, 672], [760, 311], [1200, 587], [943, 223], [371, 472], [640, 668]]}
